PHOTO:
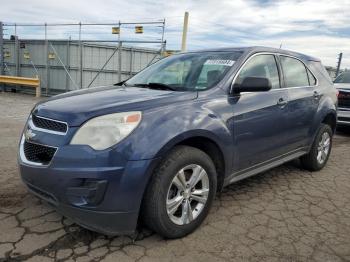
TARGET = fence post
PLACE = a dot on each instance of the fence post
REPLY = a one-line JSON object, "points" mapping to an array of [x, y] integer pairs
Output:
{"points": [[120, 61], [47, 61], [2, 52], [17, 57], [131, 61], [68, 65], [119, 53], [162, 49], [81, 58]]}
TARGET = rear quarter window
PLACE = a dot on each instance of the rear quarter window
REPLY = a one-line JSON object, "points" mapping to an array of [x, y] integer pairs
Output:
{"points": [[312, 78], [320, 71]]}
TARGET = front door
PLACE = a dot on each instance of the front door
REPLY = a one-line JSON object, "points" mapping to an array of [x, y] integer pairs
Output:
{"points": [[260, 118]]}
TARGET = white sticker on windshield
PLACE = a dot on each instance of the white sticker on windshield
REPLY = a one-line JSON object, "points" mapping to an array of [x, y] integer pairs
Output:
{"points": [[220, 62]]}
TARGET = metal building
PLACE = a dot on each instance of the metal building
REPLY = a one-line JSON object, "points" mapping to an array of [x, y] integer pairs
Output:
{"points": [[62, 69]]}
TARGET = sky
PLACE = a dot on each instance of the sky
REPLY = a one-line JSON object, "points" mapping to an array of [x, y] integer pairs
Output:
{"points": [[318, 28]]}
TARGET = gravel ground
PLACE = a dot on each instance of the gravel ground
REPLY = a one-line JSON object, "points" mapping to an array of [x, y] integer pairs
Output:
{"points": [[285, 214]]}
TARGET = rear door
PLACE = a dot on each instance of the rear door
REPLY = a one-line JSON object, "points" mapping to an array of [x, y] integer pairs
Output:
{"points": [[303, 100]]}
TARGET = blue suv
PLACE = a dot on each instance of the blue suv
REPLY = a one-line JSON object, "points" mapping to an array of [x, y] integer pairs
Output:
{"points": [[156, 148]]}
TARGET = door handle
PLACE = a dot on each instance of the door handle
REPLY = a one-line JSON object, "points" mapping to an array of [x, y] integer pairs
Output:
{"points": [[316, 95], [282, 102]]}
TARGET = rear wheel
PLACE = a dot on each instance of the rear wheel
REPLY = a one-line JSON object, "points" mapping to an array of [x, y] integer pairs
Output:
{"points": [[180, 193], [318, 156]]}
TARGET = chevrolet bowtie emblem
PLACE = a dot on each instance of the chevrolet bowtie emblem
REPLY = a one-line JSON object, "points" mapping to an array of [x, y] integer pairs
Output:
{"points": [[29, 134]]}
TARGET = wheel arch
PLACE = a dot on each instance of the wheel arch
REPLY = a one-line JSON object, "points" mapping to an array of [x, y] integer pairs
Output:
{"points": [[330, 119], [208, 143], [212, 149]]}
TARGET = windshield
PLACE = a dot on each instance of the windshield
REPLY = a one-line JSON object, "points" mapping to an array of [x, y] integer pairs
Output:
{"points": [[343, 78], [187, 72]]}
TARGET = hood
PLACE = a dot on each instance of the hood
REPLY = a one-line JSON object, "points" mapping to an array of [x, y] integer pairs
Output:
{"points": [[78, 106], [342, 85]]}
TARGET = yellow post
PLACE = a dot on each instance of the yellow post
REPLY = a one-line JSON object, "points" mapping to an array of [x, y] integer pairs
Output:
{"points": [[38, 88], [184, 33]]}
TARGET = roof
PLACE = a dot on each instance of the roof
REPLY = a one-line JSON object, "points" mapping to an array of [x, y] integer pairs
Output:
{"points": [[256, 49]]}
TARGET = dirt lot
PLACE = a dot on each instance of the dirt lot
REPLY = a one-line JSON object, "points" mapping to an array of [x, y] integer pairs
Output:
{"points": [[286, 214]]}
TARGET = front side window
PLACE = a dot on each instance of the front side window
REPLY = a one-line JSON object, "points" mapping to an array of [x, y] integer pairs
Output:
{"points": [[295, 73], [187, 72], [261, 66]]}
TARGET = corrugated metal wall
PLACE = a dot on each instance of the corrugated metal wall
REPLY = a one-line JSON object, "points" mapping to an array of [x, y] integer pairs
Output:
{"points": [[20, 56]]}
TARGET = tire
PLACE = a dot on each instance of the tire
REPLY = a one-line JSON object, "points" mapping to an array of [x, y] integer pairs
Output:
{"points": [[165, 190], [311, 161]]}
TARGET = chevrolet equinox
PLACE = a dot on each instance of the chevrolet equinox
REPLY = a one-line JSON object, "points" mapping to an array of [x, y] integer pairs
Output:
{"points": [[157, 147]]}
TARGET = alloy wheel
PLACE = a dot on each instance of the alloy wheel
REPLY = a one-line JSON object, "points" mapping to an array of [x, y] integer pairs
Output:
{"points": [[187, 194], [323, 148]]}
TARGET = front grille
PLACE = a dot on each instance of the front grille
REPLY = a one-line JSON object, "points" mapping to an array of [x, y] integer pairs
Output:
{"points": [[343, 99], [49, 124], [344, 119], [38, 153]]}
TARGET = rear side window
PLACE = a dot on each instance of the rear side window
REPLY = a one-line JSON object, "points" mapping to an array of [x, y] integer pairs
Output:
{"points": [[261, 66], [295, 73]]}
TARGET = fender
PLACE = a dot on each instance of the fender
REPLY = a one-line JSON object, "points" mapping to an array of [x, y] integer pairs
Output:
{"points": [[175, 125], [226, 152], [326, 107]]}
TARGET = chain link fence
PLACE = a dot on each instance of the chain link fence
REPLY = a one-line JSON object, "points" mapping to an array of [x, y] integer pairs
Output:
{"points": [[89, 57]]}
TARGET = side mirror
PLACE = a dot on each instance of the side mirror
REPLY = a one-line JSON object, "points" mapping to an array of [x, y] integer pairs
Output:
{"points": [[253, 84]]}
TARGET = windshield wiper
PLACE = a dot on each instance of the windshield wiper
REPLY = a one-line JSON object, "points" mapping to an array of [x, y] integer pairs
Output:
{"points": [[120, 83], [156, 86]]}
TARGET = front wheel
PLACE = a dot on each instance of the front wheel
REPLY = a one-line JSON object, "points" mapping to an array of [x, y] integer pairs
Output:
{"points": [[180, 192], [318, 156]]}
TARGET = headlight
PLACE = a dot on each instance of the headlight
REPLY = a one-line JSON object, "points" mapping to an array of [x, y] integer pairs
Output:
{"points": [[105, 131]]}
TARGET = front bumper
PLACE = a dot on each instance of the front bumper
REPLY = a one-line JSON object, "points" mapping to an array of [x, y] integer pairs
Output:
{"points": [[343, 117], [107, 223], [90, 188]]}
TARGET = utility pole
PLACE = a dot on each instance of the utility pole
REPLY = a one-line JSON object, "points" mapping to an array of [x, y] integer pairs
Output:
{"points": [[339, 63], [184, 33], [1, 52]]}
